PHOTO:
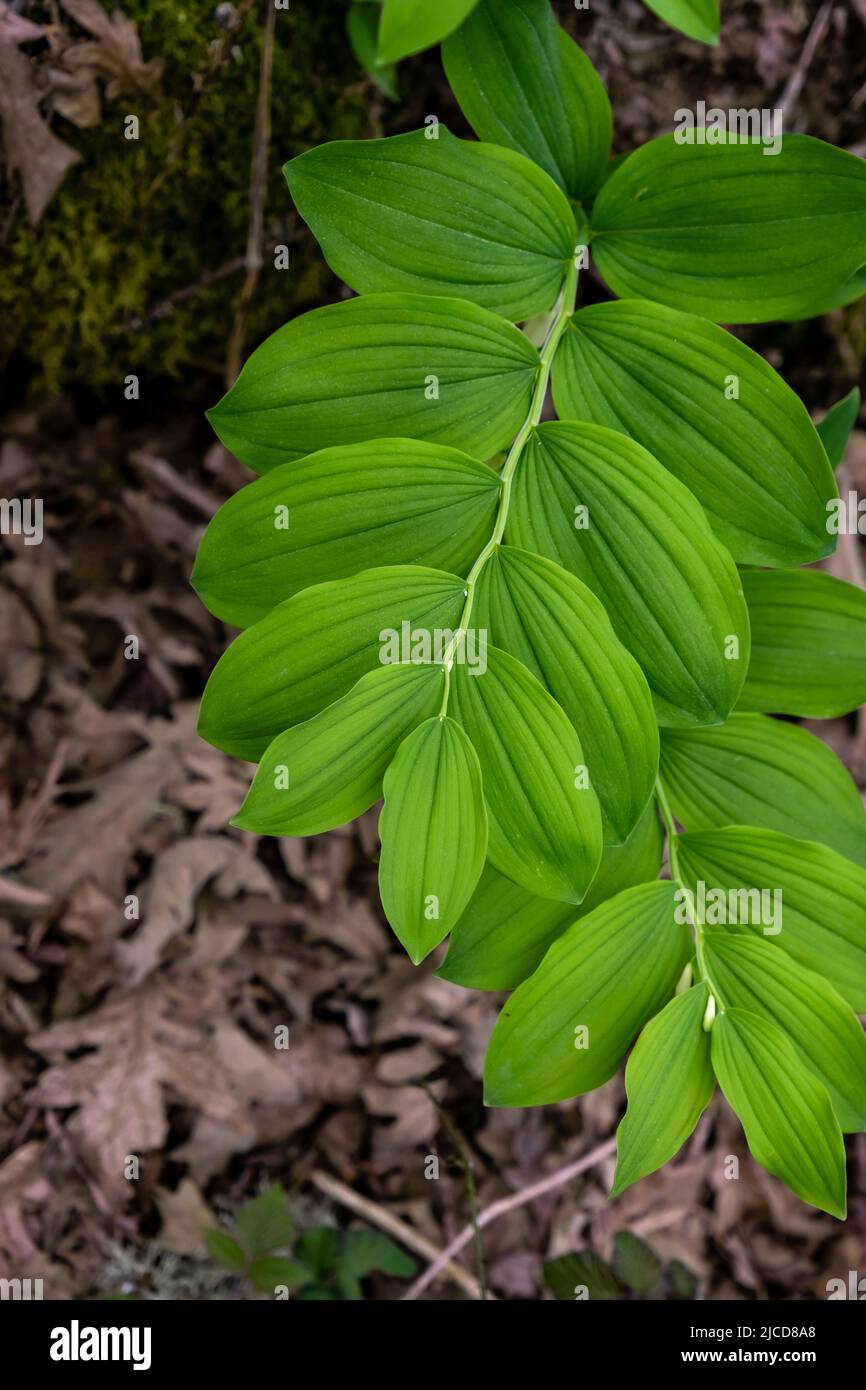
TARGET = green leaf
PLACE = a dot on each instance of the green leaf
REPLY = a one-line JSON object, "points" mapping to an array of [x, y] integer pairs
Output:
{"points": [[599, 505], [786, 1113], [760, 771], [823, 916], [556, 626], [544, 821], [753, 974], [754, 462], [269, 1275], [408, 365], [728, 232], [579, 1276], [697, 19], [681, 1282], [522, 82], [669, 1083], [434, 834], [224, 1251], [837, 424], [310, 650], [318, 1247], [393, 502], [408, 26], [361, 1252], [848, 293], [564, 1031], [506, 930], [362, 27], [437, 216], [636, 1265], [264, 1224], [329, 770], [808, 644]]}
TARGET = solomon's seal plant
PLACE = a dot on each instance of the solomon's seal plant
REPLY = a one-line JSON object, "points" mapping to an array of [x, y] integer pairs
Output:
{"points": [[551, 642]]}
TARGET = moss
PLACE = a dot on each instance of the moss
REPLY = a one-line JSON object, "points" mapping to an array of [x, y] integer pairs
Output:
{"points": [[103, 255]]}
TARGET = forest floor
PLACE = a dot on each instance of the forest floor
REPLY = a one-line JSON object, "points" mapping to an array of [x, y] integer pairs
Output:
{"points": [[152, 1036]]}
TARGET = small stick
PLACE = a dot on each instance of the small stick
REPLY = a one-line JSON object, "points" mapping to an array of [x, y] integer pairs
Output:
{"points": [[505, 1204], [794, 84], [258, 187], [386, 1221]]}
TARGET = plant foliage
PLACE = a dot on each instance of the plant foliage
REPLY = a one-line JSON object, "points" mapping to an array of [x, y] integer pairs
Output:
{"points": [[532, 634]]}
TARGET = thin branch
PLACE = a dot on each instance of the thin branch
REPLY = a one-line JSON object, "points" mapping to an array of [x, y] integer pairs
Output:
{"points": [[258, 188], [201, 82], [794, 84], [386, 1221], [506, 1204]]}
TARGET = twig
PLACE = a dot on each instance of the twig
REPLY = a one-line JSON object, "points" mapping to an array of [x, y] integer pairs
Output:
{"points": [[258, 188], [164, 307], [794, 84], [506, 1204], [201, 82], [464, 1161], [386, 1221]]}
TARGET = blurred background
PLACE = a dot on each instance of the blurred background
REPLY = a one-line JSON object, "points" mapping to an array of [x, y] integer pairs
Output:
{"points": [[149, 956]]}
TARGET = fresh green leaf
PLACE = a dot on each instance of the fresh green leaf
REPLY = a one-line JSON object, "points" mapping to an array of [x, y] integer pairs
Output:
{"points": [[556, 626], [564, 1031], [599, 505], [362, 27], [224, 1251], [712, 412], [263, 1224], [544, 817], [387, 364], [506, 930], [522, 82], [269, 1275], [408, 26], [823, 897], [697, 19], [760, 771], [310, 650], [808, 644], [392, 502], [837, 424], [362, 1252], [724, 231], [425, 212], [669, 1082], [848, 293], [636, 1265], [434, 834], [581, 1276], [329, 770], [786, 1113], [753, 974]]}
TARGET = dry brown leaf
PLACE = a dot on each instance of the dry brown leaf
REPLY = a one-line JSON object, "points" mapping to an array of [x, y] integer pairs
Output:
{"points": [[115, 52], [41, 159], [185, 1218], [168, 901], [139, 1052]]}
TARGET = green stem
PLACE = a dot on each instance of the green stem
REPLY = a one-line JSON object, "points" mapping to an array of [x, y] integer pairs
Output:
{"points": [[676, 877], [564, 311]]}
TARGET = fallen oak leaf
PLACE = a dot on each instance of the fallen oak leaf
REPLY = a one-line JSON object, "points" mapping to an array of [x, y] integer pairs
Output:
{"points": [[115, 52], [178, 876], [138, 1054], [41, 159]]}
